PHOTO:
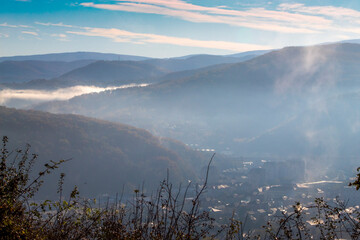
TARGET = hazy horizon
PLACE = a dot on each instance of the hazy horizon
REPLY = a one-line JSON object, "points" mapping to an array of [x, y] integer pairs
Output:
{"points": [[132, 92]]}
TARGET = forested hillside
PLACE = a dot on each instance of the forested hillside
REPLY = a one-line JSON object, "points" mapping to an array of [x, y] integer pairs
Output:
{"points": [[104, 156], [21, 71]]}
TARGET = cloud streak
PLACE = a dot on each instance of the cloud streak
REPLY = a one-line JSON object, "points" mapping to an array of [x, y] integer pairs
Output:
{"points": [[287, 18], [257, 18], [329, 11], [60, 24], [119, 35], [123, 36], [5, 24], [60, 37], [30, 33]]}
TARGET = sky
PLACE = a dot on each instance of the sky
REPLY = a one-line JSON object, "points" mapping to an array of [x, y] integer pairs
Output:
{"points": [[169, 28]]}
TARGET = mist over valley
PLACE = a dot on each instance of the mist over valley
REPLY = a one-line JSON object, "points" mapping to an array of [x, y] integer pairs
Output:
{"points": [[288, 103], [263, 134]]}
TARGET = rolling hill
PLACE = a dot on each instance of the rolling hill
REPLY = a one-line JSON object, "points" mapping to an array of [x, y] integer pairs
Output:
{"points": [[192, 62], [241, 106], [99, 73], [112, 68], [22, 71], [111, 73], [105, 156]]}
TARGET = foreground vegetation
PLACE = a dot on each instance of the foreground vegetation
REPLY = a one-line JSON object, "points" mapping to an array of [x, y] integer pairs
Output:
{"points": [[167, 214]]}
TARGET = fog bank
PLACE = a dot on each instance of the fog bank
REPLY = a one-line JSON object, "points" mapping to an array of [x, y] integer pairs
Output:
{"points": [[25, 97]]}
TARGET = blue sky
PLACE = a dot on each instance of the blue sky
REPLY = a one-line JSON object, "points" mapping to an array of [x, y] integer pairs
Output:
{"points": [[166, 28]]}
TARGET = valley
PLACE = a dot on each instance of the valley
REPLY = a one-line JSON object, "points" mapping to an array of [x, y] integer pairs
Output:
{"points": [[282, 124]]}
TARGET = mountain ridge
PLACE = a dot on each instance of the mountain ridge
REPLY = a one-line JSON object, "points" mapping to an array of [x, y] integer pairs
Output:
{"points": [[22, 71], [228, 103], [74, 56]]}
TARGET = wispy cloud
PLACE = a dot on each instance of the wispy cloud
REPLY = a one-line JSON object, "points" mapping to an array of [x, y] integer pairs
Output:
{"points": [[344, 19], [60, 24], [257, 18], [287, 18], [329, 11], [30, 33], [119, 35], [60, 36], [5, 24], [8, 25], [4, 35]]}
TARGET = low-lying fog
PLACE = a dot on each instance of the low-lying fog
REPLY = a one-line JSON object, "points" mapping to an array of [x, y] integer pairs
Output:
{"points": [[21, 98]]}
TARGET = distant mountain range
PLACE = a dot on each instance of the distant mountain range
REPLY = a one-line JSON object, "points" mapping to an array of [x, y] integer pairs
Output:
{"points": [[105, 73], [69, 69], [22, 71], [105, 156], [195, 62], [249, 54], [295, 102], [74, 56], [225, 103], [240, 106]]}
